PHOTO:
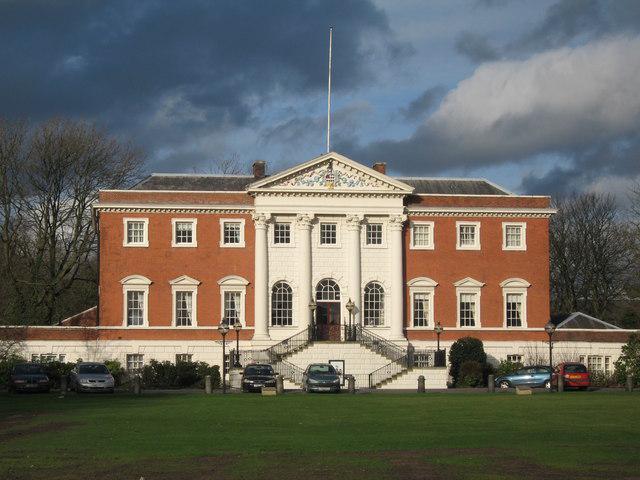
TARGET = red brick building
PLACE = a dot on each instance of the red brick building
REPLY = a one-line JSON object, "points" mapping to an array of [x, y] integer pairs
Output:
{"points": [[180, 253]]}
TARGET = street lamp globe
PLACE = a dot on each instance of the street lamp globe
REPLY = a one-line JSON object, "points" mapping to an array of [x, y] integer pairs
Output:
{"points": [[550, 328], [350, 306], [313, 305], [237, 326], [223, 328], [438, 328]]}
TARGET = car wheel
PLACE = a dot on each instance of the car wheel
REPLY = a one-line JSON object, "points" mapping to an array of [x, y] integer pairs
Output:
{"points": [[547, 384], [504, 384]]}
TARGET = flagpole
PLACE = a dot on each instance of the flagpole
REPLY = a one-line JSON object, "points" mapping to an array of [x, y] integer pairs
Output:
{"points": [[329, 94]]}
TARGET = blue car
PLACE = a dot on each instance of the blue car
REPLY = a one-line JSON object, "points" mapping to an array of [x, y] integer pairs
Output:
{"points": [[537, 376]]}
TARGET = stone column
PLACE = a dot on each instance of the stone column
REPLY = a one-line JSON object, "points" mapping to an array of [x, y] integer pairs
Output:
{"points": [[354, 223], [261, 281], [396, 223], [303, 223]]}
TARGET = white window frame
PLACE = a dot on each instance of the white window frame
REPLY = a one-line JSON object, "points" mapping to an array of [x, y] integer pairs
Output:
{"points": [[194, 232], [184, 283], [126, 361], [294, 321], [338, 236], [234, 283], [514, 286], [188, 355], [431, 245], [145, 242], [135, 283], [469, 285], [365, 238], [383, 311], [242, 228], [476, 245], [523, 238], [426, 286], [510, 358], [272, 234]]}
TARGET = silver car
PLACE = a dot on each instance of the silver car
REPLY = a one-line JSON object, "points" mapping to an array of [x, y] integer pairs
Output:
{"points": [[91, 377]]}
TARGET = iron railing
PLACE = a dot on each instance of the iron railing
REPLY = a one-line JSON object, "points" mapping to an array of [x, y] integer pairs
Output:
{"points": [[389, 370], [277, 352], [289, 371], [378, 344]]}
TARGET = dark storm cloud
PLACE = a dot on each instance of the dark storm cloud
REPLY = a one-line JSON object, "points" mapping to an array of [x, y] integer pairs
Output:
{"points": [[619, 159], [570, 21], [475, 47], [580, 104], [201, 64], [422, 105]]}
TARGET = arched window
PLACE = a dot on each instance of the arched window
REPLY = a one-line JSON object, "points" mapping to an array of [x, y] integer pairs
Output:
{"points": [[281, 305], [373, 304], [327, 290]]}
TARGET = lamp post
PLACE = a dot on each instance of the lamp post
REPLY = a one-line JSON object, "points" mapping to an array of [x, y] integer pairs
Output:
{"points": [[237, 327], [550, 328], [312, 306], [223, 329], [438, 329], [350, 308]]}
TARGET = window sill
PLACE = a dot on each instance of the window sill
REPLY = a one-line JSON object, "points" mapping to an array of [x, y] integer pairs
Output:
{"points": [[233, 245], [135, 245]]}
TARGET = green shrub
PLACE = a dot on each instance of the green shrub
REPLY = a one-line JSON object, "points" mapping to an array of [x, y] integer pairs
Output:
{"points": [[6, 365], [601, 379], [505, 367], [55, 370], [116, 370], [463, 350], [471, 374], [178, 375], [629, 361]]}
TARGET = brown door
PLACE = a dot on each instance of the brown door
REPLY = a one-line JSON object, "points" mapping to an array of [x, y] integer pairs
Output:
{"points": [[328, 321]]}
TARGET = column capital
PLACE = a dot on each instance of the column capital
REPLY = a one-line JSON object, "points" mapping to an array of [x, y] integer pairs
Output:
{"points": [[303, 220], [354, 221], [396, 222], [261, 219]]}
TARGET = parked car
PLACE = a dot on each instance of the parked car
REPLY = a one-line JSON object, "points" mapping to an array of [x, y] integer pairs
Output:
{"points": [[91, 377], [535, 376], [29, 377], [321, 377], [258, 375], [575, 375]]}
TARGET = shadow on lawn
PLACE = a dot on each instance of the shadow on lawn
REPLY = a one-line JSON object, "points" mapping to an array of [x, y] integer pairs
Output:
{"points": [[437, 464]]}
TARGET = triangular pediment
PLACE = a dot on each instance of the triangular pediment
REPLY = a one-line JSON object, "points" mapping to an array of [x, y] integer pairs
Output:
{"points": [[331, 172]]}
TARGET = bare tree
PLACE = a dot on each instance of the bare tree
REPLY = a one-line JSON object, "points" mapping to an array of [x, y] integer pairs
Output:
{"points": [[590, 255], [227, 165], [48, 237]]}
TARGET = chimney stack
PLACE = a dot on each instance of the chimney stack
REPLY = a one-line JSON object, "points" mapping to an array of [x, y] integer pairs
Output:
{"points": [[380, 167], [259, 169]]}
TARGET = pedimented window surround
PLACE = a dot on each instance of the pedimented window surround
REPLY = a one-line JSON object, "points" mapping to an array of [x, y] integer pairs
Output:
{"points": [[184, 283], [422, 302], [234, 284], [138, 285], [511, 289], [469, 289]]}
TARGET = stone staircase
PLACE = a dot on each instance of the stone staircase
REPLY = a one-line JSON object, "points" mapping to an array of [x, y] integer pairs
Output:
{"points": [[434, 378], [359, 361]]}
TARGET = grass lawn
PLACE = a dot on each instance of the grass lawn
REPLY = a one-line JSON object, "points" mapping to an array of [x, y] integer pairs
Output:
{"points": [[193, 436]]}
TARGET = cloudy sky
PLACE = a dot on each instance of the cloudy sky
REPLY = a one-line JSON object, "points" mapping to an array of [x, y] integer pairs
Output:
{"points": [[542, 97]]}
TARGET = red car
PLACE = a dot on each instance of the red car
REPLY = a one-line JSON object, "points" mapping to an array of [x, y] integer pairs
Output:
{"points": [[575, 375]]}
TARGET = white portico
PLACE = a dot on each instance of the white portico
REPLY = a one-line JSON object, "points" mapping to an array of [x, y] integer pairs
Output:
{"points": [[331, 230]]}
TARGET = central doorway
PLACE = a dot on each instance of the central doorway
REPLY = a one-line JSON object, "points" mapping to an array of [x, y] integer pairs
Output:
{"points": [[328, 311]]}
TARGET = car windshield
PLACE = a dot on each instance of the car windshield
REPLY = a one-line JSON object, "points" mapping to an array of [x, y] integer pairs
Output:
{"points": [[258, 370], [322, 369], [577, 368], [93, 369], [27, 369]]}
